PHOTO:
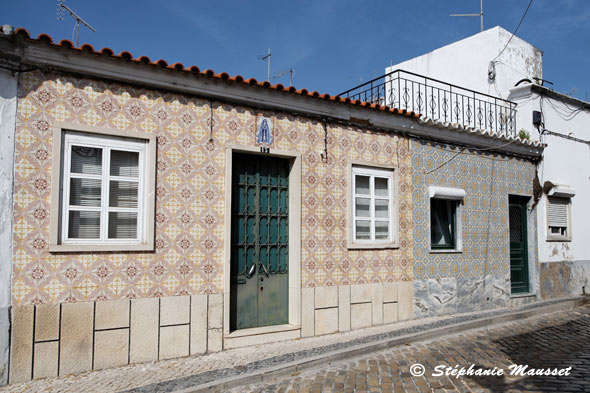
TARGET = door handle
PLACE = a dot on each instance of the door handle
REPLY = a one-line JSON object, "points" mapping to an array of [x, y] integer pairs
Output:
{"points": [[251, 271], [263, 268]]}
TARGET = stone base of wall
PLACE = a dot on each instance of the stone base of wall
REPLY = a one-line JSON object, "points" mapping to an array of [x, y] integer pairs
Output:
{"points": [[328, 310], [71, 338], [565, 278], [443, 296]]}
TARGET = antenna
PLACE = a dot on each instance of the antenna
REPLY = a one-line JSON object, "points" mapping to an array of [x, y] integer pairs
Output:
{"points": [[290, 71], [60, 14], [480, 13], [60, 7], [267, 58]]}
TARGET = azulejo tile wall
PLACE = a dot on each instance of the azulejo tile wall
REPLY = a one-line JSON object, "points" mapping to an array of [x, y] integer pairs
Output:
{"points": [[192, 135], [487, 179], [327, 261]]}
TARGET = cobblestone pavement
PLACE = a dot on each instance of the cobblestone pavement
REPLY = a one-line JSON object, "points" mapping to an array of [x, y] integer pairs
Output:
{"points": [[558, 340], [178, 374]]}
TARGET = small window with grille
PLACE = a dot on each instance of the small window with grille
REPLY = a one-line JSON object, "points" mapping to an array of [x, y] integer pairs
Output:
{"points": [[558, 218]]}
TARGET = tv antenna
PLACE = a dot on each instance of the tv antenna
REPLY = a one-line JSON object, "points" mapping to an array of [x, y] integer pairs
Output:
{"points": [[60, 7], [290, 71], [480, 13], [267, 58]]}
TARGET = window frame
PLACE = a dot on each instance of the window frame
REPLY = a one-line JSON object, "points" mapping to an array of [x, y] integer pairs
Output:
{"points": [[65, 135], [452, 195], [452, 204], [551, 237], [372, 170]]}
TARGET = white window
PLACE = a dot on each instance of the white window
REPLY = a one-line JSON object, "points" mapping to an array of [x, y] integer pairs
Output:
{"points": [[372, 206], [558, 218], [105, 202]]}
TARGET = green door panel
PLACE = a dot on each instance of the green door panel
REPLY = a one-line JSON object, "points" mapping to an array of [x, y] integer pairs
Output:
{"points": [[259, 293], [519, 275]]}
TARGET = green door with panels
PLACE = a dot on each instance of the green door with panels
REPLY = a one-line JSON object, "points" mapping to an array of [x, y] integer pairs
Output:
{"points": [[260, 241], [519, 272]]}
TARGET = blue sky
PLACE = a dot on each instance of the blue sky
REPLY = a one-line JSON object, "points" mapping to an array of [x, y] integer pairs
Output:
{"points": [[332, 45]]}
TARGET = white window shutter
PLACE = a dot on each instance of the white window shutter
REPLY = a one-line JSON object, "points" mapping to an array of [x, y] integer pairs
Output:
{"points": [[557, 212]]}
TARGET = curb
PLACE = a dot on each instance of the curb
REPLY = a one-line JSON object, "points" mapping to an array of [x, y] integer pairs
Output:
{"points": [[266, 374]]}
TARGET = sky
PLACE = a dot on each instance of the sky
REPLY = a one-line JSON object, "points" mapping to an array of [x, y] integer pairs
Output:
{"points": [[332, 45]]}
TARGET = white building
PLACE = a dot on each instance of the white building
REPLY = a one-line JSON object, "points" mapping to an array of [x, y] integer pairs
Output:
{"points": [[468, 63], [564, 214], [495, 64]]}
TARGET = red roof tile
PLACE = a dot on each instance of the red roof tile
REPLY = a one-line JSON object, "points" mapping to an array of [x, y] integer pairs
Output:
{"points": [[179, 67]]}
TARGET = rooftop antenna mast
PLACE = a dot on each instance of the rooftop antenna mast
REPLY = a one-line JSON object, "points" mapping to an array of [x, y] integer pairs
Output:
{"points": [[480, 13], [60, 7], [267, 58], [290, 71]]}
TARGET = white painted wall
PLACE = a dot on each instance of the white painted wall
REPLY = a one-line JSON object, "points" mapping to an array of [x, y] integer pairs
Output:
{"points": [[465, 63], [8, 90], [564, 162]]}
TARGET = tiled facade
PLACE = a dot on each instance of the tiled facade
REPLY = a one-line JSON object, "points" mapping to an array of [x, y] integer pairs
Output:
{"points": [[488, 180], [192, 135], [79, 311], [105, 309]]}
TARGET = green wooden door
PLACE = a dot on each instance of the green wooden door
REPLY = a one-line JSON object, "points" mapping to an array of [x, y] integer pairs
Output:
{"points": [[519, 272], [260, 242]]}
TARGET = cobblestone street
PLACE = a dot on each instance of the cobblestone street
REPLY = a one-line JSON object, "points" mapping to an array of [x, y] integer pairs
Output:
{"points": [[559, 341], [557, 336]]}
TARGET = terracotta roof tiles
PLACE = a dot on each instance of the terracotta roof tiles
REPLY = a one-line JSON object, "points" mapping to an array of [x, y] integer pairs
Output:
{"points": [[179, 67]]}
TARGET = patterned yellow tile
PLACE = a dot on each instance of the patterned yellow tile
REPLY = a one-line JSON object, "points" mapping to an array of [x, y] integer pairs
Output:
{"points": [[293, 134], [91, 118]]}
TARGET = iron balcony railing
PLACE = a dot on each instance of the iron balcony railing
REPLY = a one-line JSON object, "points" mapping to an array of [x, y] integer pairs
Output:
{"points": [[438, 100]]}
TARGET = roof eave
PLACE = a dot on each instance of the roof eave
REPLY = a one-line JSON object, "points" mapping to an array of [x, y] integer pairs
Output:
{"points": [[120, 69]]}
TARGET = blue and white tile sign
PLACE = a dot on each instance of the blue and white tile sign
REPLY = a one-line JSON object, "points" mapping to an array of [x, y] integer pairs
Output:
{"points": [[264, 131]]}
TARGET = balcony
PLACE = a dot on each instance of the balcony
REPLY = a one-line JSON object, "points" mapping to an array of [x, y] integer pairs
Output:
{"points": [[439, 101]]}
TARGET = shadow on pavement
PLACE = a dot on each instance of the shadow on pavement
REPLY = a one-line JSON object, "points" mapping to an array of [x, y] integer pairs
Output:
{"points": [[558, 346]]}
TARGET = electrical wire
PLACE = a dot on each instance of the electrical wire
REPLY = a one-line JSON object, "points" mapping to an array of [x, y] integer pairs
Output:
{"points": [[519, 23], [569, 137], [445, 162], [565, 115], [462, 150], [512, 68], [560, 99]]}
